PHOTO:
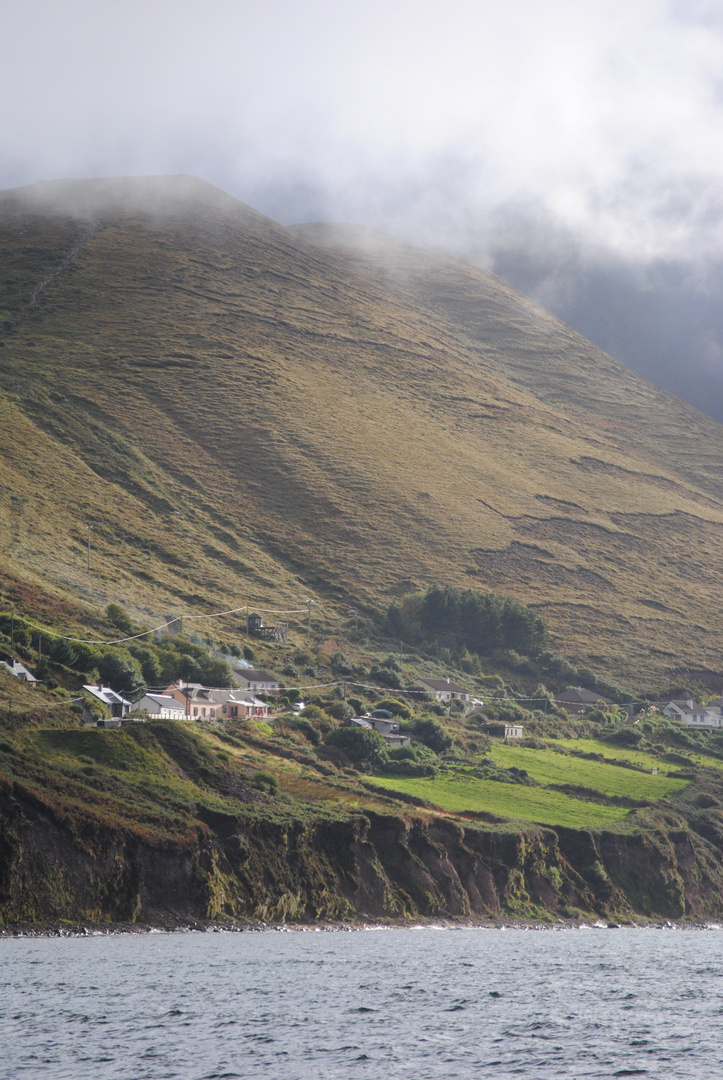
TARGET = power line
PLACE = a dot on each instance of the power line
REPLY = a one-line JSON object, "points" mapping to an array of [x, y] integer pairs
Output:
{"points": [[163, 626], [52, 705]]}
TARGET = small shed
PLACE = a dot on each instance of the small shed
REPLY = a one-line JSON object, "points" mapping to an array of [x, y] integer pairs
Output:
{"points": [[504, 731]]}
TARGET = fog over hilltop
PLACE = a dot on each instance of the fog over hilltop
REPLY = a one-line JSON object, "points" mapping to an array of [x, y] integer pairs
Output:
{"points": [[577, 150]]}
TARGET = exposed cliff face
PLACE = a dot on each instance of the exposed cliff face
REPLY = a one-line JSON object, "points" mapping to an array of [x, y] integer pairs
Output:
{"points": [[372, 865]]}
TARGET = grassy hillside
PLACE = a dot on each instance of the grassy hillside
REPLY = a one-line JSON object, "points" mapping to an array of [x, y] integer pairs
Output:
{"points": [[247, 413]]}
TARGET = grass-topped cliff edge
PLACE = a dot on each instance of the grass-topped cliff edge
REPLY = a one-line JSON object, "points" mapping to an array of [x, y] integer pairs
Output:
{"points": [[293, 819]]}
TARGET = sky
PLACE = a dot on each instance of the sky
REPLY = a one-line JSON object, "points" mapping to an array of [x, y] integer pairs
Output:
{"points": [[574, 148]]}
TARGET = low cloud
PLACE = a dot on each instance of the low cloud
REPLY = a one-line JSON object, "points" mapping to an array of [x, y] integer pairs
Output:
{"points": [[575, 148]]}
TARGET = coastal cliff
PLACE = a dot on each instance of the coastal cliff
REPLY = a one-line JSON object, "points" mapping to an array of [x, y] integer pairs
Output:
{"points": [[56, 866]]}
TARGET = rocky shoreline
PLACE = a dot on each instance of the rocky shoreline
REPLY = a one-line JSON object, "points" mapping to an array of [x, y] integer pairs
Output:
{"points": [[234, 926]]}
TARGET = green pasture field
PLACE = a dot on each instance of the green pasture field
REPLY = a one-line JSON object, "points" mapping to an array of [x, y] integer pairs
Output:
{"points": [[548, 767], [459, 793], [636, 757], [640, 757]]}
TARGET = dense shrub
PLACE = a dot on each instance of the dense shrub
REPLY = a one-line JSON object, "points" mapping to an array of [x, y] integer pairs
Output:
{"points": [[15, 628], [150, 664], [119, 618], [508, 713], [313, 712], [432, 734], [392, 663], [629, 736], [300, 723], [341, 711], [340, 665], [415, 752], [398, 708], [363, 746], [265, 781], [385, 676], [63, 652]]}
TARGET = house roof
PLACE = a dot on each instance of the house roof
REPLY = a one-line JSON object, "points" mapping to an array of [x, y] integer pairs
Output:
{"points": [[256, 675], [686, 706], [239, 698], [186, 688], [444, 684], [19, 670], [214, 695], [581, 694], [106, 695], [164, 701]]}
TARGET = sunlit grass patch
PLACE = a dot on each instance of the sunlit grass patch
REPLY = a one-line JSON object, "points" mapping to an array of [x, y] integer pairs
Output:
{"points": [[548, 767], [459, 793], [645, 759]]}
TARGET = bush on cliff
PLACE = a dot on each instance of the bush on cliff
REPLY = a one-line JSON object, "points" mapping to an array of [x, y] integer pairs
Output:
{"points": [[363, 746], [432, 734]]}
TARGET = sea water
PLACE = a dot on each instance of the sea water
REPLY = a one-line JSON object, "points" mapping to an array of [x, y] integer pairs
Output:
{"points": [[373, 1004]]}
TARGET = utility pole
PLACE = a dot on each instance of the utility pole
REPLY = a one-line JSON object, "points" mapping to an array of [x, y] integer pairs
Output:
{"points": [[308, 627], [12, 630], [89, 528], [401, 651]]}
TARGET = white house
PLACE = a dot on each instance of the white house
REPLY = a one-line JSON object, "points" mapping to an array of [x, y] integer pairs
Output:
{"points": [[257, 681], [694, 714], [503, 730], [161, 707], [20, 672], [445, 691]]}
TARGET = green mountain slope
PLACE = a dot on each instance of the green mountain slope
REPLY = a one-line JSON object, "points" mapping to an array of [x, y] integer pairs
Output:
{"points": [[247, 413]]}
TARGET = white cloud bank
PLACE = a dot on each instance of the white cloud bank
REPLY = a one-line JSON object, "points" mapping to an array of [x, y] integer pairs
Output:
{"points": [[607, 114], [562, 135]]}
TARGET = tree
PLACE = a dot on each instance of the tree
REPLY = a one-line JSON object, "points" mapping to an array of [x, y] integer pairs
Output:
{"points": [[187, 669], [119, 670], [63, 652], [215, 672], [150, 666]]}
